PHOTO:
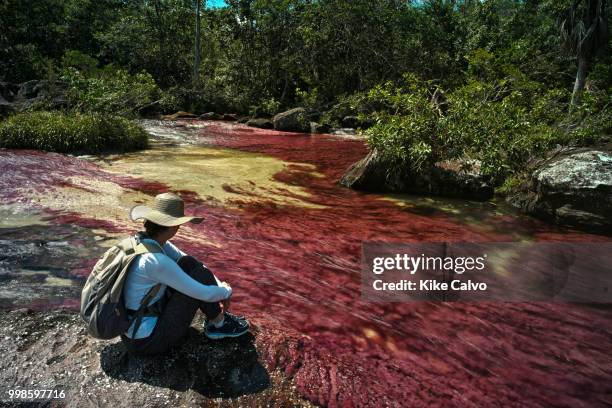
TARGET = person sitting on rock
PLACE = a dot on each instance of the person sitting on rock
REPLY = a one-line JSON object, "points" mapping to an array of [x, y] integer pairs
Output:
{"points": [[186, 285]]}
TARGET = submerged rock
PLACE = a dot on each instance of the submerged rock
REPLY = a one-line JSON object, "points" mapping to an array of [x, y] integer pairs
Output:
{"points": [[293, 120], [260, 123], [572, 188], [457, 178], [51, 350]]}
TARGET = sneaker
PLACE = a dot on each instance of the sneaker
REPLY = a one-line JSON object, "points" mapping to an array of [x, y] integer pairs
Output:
{"points": [[238, 318], [230, 328]]}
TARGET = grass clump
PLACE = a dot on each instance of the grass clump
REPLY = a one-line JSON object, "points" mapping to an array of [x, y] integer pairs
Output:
{"points": [[71, 133]]}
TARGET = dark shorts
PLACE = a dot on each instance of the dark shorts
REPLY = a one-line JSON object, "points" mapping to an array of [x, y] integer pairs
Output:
{"points": [[177, 313]]}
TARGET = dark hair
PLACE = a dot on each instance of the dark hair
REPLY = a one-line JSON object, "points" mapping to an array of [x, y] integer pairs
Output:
{"points": [[152, 229]]}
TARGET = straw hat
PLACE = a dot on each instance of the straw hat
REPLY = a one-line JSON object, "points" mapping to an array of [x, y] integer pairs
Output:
{"points": [[167, 210]]}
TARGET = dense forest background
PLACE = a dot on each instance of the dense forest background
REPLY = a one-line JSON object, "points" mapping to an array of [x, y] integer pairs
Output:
{"points": [[497, 79]]}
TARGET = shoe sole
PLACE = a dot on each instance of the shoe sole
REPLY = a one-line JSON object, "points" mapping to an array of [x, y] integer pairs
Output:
{"points": [[246, 322], [217, 336]]}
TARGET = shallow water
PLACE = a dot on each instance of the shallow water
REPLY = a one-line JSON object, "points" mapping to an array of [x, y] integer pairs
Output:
{"points": [[279, 228]]}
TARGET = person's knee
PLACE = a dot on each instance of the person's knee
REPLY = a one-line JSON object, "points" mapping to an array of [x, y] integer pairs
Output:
{"points": [[189, 263], [196, 270]]}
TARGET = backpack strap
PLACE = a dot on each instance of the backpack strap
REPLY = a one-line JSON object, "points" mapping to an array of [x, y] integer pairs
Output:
{"points": [[134, 247], [143, 305]]}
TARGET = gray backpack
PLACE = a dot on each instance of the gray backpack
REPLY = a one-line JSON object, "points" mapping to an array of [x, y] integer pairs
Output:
{"points": [[102, 305]]}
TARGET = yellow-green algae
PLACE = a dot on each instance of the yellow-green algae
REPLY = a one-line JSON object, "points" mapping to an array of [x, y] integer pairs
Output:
{"points": [[206, 170]]}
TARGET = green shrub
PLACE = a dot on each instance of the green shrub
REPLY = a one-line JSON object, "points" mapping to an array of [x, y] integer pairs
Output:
{"points": [[71, 133], [406, 132], [265, 107], [111, 90], [84, 63], [501, 123]]}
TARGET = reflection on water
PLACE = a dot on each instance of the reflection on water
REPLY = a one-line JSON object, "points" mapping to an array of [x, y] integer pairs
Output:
{"points": [[288, 238]]}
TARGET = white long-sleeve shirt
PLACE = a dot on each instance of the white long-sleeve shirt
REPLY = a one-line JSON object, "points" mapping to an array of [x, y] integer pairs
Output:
{"points": [[149, 269]]}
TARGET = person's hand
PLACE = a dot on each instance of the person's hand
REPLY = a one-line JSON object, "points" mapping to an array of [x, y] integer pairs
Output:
{"points": [[226, 304]]}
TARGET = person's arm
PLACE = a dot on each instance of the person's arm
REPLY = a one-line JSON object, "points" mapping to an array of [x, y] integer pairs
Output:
{"points": [[166, 271], [175, 253]]}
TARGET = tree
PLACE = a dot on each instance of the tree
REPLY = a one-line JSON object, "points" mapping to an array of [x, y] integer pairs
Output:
{"points": [[196, 61], [584, 32]]}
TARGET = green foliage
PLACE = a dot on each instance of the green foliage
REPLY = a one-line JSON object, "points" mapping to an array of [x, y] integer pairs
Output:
{"points": [[406, 130], [309, 100], [111, 91], [265, 108], [494, 82], [75, 133], [496, 125], [502, 124], [80, 61]]}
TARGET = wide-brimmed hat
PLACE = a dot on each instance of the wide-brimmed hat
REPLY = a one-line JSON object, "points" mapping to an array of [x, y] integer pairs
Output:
{"points": [[167, 210]]}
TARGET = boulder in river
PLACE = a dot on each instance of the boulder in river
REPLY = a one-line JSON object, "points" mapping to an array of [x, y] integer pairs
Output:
{"points": [[572, 187], [293, 120], [350, 122], [457, 178], [260, 123], [319, 127]]}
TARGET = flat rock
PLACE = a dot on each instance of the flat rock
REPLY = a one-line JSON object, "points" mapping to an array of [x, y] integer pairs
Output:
{"points": [[51, 350]]}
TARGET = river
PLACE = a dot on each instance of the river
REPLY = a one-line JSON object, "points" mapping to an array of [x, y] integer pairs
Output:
{"points": [[288, 238]]}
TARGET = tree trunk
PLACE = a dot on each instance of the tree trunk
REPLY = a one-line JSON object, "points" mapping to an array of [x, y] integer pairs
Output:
{"points": [[580, 81], [196, 62]]}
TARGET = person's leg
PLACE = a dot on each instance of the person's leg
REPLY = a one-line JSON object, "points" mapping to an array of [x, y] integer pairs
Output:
{"points": [[178, 313], [202, 274]]}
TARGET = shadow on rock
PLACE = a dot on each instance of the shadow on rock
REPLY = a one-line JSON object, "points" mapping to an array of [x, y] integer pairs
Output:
{"points": [[225, 368]]}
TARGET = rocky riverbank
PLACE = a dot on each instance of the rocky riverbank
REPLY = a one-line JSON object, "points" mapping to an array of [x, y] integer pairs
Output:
{"points": [[51, 350], [570, 187]]}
